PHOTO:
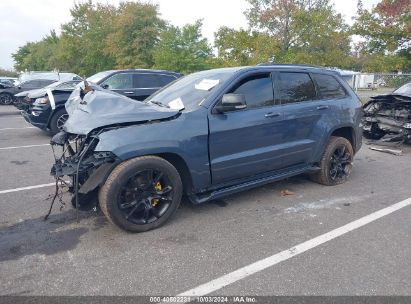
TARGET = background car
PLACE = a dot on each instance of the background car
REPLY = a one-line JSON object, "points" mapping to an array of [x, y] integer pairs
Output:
{"points": [[24, 100], [47, 110], [137, 84], [34, 80], [389, 114], [12, 80]]}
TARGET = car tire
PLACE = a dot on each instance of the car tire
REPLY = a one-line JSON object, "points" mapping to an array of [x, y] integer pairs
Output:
{"points": [[6, 99], [336, 162], [127, 196], [56, 121]]}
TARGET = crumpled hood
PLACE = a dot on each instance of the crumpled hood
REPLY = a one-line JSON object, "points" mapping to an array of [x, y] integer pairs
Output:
{"points": [[101, 108]]}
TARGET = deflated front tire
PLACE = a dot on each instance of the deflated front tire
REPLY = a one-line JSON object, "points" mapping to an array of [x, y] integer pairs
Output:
{"points": [[141, 194]]}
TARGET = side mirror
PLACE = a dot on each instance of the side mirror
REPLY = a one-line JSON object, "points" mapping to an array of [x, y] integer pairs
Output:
{"points": [[105, 86], [231, 102]]}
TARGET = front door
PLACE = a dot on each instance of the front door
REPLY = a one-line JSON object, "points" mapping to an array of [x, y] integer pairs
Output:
{"points": [[243, 143]]}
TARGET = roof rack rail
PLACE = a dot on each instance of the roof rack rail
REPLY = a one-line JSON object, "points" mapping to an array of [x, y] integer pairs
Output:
{"points": [[290, 64]]}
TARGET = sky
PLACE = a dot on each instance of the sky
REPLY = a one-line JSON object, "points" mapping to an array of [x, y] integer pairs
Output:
{"points": [[22, 21]]}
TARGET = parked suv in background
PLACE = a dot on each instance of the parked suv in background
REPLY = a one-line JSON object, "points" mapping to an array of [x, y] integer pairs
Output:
{"points": [[7, 94], [207, 135], [136, 84], [47, 109], [44, 108]]}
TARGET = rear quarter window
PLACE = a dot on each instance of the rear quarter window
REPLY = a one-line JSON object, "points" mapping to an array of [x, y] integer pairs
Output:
{"points": [[329, 86]]}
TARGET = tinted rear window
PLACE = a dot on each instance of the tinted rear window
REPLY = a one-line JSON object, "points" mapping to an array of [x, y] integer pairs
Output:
{"points": [[166, 79], [328, 86], [147, 81], [296, 87]]}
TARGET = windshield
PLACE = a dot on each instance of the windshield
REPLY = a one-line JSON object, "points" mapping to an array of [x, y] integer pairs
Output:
{"points": [[404, 90], [188, 92], [96, 78]]}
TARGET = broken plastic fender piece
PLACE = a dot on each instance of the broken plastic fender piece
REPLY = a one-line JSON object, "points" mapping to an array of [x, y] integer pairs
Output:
{"points": [[390, 151]]}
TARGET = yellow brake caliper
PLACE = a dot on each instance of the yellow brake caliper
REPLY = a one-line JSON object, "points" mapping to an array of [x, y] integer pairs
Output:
{"points": [[158, 187]]}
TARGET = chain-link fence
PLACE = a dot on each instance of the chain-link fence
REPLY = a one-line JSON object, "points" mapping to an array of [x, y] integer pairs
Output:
{"points": [[367, 85]]}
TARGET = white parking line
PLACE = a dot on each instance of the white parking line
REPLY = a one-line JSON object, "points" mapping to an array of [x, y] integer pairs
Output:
{"points": [[260, 265], [20, 147], [5, 129], [26, 188]]}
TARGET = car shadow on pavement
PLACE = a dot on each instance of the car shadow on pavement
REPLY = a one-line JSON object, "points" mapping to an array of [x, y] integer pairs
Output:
{"points": [[61, 232]]}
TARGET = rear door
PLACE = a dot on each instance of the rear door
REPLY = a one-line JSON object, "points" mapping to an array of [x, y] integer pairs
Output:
{"points": [[243, 143], [303, 112]]}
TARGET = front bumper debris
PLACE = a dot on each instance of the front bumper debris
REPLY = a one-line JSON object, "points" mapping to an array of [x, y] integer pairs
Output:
{"points": [[86, 169]]}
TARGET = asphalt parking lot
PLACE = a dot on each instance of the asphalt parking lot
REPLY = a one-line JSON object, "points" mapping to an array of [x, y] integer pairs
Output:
{"points": [[82, 254]]}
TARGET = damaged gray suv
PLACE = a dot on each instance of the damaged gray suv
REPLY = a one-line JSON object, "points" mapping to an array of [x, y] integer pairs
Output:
{"points": [[205, 136]]}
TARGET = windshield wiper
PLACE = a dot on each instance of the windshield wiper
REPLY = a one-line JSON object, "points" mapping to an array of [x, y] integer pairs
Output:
{"points": [[159, 104]]}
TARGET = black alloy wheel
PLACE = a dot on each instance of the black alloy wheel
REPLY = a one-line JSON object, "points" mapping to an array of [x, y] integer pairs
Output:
{"points": [[340, 164], [61, 120], [6, 99], [336, 162], [145, 197], [141, 194]]}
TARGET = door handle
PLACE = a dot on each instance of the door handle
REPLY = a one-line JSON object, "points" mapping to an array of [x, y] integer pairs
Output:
{"points": [[271, 115], [128, 92], [322, 107]]}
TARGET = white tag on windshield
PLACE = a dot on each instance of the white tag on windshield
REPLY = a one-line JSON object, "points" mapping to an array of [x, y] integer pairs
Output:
{"points": [[176, 104], [206, 84]]}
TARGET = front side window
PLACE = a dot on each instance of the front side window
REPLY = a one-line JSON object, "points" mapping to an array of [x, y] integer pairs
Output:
{"points": [[121, 81], [257, 89], [295, 87], [328, 86]]}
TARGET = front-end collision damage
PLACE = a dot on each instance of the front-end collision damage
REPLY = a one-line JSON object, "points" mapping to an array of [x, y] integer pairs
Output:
{"points": [[86, 169], [92, 112], [388, 115]]}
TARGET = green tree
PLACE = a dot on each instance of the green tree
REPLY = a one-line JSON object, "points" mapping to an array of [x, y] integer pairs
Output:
{"points": [[37, 55], [83, 39], [288, 31], [243, 47], [386, 36], [136, 31], [183, 49]]}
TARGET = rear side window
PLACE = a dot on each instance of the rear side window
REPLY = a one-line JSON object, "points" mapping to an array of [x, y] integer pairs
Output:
{"points": [[43, 83], [328, 86], [119, 81], [31, 84], [257, 89], [296, 87], [147, 81]]}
